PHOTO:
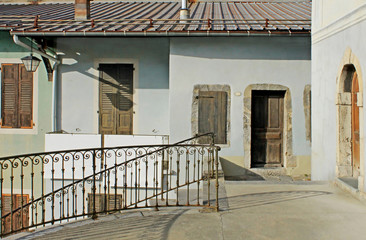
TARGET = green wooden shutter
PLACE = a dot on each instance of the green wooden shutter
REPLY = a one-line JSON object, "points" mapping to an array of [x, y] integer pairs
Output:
{"points": [[25, 98], [212, 115], [9, 95]]}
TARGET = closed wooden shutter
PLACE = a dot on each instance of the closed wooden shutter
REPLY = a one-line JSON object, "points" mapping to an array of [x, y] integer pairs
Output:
{"points": [[19, 220], [125, 103], [113, 202], [9, 95], [212, 115], [116, 98], [25, 98], [107, 100], [16, 96]]}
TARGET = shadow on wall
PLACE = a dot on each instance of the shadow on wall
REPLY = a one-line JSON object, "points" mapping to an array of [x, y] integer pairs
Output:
{"points": [[234, 172]]}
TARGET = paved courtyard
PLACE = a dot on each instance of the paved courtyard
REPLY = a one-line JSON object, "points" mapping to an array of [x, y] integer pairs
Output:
{"points": [[250, 210]]}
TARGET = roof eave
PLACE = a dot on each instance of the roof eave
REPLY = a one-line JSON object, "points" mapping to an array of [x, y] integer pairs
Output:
{"points": [[164, 33]]}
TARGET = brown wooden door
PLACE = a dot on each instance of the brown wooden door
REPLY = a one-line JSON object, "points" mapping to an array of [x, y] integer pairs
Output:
{"points": [[267, 128], [355, 128], [116, 99]]}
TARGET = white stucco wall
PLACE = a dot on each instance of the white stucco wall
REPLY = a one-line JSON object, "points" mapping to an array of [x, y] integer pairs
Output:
{"points": [[238, 62], [78, 101], [326, 12], [329, 45]]}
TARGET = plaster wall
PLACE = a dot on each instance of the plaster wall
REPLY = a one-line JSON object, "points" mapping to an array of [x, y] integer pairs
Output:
{"points": [[21, 141], [327, 11], [79, 85], [238, 63], [329, 54]]}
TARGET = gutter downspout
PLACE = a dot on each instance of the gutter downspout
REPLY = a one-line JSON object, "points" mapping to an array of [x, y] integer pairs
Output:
{"points": [[54, 96], [54, 77]]}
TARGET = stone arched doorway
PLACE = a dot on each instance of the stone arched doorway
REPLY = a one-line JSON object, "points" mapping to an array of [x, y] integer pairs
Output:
{"points": [[349, 119]]}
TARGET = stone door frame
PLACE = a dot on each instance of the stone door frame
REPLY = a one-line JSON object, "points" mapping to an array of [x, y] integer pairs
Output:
{"points": [[344, 112], [288, 159]]}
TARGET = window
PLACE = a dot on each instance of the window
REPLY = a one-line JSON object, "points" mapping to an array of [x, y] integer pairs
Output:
{"points": [[116, 99], [212, 114], [16, 96]]}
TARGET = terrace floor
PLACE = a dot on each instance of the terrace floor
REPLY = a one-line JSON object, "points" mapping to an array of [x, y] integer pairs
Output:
{"points": [[249, 210]]}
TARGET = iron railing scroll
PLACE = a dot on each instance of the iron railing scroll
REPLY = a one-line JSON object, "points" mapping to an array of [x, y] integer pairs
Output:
{"points": [[56, 187]]}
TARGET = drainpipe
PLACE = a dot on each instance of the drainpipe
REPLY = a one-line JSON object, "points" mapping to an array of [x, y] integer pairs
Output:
{"points": [[54, 96], [184, 12], [55, 72]]}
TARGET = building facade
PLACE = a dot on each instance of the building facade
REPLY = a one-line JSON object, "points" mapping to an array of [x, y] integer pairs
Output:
{"points": [[338, 63], [248, 82]]}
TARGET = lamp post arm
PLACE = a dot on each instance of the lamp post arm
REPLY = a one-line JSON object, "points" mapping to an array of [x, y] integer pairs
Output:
{"points": [[22, 44]]}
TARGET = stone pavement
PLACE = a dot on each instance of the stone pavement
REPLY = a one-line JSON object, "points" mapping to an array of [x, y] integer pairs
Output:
{"points": [[250, 210]]}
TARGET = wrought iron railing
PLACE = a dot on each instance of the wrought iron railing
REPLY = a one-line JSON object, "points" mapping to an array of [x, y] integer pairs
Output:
{"points": [[55, 187]]}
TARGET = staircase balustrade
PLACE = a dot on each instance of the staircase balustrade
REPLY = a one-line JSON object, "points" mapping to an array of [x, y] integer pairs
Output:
{"points": [[56, 187]]}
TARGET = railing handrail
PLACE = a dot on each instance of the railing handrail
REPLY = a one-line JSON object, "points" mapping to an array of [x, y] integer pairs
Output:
{"points": [[97, 149], [163, 147], [107, 169]]}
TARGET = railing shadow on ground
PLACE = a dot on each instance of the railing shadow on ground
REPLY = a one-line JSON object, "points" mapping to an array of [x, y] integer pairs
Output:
{"points": [[57, 187], [137, 225], [266, 198]]}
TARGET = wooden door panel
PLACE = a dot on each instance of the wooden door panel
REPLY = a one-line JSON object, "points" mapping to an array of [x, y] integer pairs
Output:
{"points": [[267, 127], [259, 103], [274, 151], [259, 152], [273, 111], [355, 128]]}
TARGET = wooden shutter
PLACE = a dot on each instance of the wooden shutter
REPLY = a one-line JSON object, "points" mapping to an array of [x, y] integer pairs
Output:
{"points": [[125, 102], [107, 100], [9, 95], [116, 98], [25, 98], [113, 202], [6, 208], [16, 96], [18, 221], [212, 114]]}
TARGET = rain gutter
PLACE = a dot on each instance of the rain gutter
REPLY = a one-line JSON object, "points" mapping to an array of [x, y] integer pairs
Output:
{"points": [[161, 34]]}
